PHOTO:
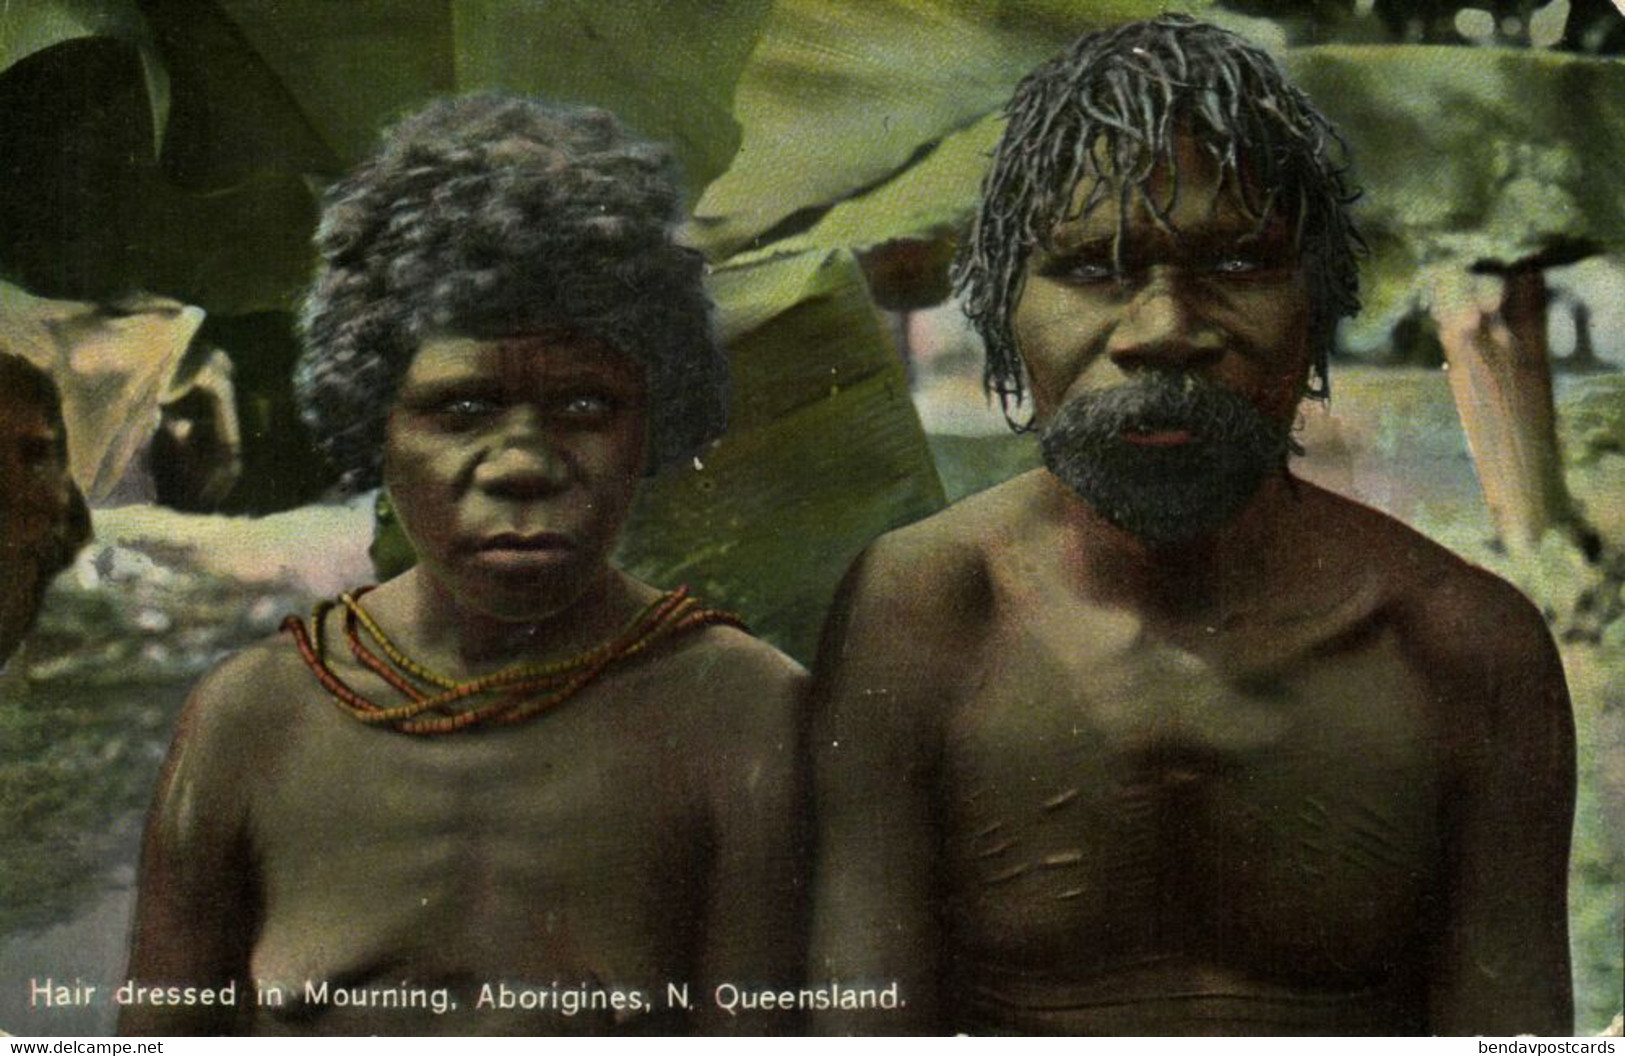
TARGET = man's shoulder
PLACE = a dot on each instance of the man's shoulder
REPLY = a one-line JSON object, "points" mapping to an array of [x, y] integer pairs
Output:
{"points": [[948, 555], [988, 514], [1472, 620], [916, 603], [1444, 602]]}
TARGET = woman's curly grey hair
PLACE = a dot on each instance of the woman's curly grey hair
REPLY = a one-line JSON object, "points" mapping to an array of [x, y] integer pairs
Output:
{"points": [[1108, 111], [491, 215]]}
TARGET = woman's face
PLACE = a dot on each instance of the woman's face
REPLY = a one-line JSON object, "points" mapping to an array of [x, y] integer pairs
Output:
{"points": [[512, 464]]}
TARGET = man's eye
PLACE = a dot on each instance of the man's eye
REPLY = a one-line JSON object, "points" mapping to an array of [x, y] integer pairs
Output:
{"points": [[1083, 271], [586, 405], [1091, 271]]}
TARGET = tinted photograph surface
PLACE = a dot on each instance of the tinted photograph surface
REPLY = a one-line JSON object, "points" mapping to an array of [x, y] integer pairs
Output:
{"points": [[789, 516]]}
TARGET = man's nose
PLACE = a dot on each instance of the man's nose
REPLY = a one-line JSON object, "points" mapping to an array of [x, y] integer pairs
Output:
{"points": [[1163, 327], [524, 460]]}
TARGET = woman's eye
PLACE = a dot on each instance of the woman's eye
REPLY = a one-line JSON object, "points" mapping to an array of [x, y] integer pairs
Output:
{"points": [[1235, 264], [467, 407]]}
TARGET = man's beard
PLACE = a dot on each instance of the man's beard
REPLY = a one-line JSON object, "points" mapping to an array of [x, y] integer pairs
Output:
{"points": [[1165, 494]]}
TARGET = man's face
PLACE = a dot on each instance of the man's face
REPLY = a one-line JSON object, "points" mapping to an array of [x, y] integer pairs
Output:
{"points": [[1165, 390], [512, 464]]}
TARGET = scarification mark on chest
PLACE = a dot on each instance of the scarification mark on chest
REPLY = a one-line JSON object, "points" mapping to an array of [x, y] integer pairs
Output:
{"points": [[1058, 801], [1061, 860], [995, 850], [1006, 875]]}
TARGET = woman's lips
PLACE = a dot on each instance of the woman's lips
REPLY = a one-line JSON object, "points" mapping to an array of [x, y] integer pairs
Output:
{"points": [[516, 552], [523, 541]]}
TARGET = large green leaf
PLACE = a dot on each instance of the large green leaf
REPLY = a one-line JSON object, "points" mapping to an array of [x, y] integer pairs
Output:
{"points": [[350, 66], [931, 199], [1473, 155], [669, 71], [823, 453], [87, 212], [29, 28], [234, 117], [839, 97], [266, 93]]}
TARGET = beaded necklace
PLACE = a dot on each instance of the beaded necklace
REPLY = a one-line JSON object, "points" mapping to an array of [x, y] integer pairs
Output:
{"points": [[522, 691]]}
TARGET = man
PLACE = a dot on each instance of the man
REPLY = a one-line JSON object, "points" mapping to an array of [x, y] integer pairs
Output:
{"points": [[1160, 739], [43, 518], [513, 789]]}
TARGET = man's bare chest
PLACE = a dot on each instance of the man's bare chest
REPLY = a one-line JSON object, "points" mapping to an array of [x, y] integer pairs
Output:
{"points": [[1108, 790]]}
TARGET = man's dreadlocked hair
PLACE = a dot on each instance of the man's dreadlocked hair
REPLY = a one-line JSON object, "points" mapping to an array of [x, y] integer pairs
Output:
{"points": [[1106, 113], [491, 215]]}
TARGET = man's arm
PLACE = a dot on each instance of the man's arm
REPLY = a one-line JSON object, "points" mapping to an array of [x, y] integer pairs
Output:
{"points": [[755, 928], [1502, 963], [885, 667], [197, 908]]}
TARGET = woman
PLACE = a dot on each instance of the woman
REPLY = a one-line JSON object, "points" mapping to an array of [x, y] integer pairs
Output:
{"points": [[514, 788]]}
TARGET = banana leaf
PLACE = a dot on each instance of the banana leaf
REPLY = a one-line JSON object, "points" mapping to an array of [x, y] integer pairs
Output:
{"points": [[348, 69], [28, 29], [1472, 157], [930, 200], [842, 97], [823, 453], [88, 212], [176, 146], [1465, 156]]}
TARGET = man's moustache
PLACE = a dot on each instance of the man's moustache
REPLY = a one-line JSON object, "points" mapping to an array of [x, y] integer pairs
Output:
{"points": [[1164, 493], [1166, 401]]}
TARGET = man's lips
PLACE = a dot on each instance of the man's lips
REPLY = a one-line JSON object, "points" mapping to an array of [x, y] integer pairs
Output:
{"points": [[1158, 437]]}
